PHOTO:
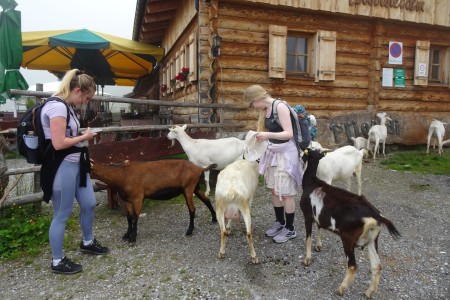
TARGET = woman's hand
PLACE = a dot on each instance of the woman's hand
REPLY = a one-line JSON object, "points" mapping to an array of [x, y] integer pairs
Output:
{"points": [[88, 134]]}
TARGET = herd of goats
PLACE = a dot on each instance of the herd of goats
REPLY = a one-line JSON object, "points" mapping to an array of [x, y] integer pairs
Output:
{"points": [[349, 215]]}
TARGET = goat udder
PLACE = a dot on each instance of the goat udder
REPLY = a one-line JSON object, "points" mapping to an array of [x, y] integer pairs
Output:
{"points": [[232, 213]]}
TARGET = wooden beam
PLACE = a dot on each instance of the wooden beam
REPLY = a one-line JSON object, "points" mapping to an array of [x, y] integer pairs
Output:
{"points": [[150, 18], [135, 101], [161, 6], [152, 35], [155, 26]]}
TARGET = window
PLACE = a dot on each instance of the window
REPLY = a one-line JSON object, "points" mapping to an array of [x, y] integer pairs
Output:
{"points": [[435, 65], [432, 64], [298, 53]]}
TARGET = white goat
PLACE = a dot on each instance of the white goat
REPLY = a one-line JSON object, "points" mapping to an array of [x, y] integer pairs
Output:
{"points": [[204, 152], [235, 189], [361, 143], [378, 134], [341, 164], [437, 128]]}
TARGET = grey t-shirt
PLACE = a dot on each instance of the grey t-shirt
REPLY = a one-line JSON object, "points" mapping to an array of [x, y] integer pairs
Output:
{"points": [[54, 109]]}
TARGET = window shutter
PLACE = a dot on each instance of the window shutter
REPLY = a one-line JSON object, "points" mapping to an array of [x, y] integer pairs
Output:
{"points": [[168, 89], [172, 75], [277, 51], [182, 63], [422, 61], [164, 80], [192, 57], [325, 56], [177, 68]]}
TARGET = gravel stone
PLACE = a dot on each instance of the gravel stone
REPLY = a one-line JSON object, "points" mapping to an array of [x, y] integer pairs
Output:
{"points": [[166, 264]]}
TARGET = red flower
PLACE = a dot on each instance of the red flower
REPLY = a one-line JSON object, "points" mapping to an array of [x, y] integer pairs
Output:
{"points": [[163, 88], [183, 75]]}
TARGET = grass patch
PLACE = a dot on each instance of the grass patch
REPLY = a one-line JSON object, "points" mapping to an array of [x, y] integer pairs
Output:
{"points": [[415, 159], [24, 231], [12, 155]]}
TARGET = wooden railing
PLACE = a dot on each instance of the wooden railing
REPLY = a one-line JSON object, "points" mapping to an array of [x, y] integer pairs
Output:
{"points": [[37, 195]]}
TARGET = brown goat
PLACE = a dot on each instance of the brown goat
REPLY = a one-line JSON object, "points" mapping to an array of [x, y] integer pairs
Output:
{"points": [[158, 180]]}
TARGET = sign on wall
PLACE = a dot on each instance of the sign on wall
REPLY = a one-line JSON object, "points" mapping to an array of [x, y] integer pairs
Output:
{"points": [[395, 53], [388, 74], [399, 77], [422, 72]]}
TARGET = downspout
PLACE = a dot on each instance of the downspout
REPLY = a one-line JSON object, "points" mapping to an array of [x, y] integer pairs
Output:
{"points": [[140, 8]]}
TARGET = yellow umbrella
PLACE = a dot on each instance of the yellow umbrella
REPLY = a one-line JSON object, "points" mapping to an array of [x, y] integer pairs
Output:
{"points": [[109, 59]]}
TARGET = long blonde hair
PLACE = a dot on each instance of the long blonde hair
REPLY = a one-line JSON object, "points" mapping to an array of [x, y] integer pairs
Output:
{"points": [[261, 124], [75, 79]]}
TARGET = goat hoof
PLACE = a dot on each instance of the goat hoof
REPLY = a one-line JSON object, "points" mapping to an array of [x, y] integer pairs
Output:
{"points": [[255, 260], [307, 261], [318, 248], [341, 291], [214, 221], [221, 255], [189, 232], [369, 293]]}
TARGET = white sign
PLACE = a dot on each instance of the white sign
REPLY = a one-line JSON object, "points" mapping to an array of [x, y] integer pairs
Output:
{"points": [[422, 70], [388, 77], [395, 53]]}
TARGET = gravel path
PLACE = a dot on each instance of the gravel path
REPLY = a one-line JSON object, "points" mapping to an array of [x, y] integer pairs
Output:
{"points": [[165, 264]]}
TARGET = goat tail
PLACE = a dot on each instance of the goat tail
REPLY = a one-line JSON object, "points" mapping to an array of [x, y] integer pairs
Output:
{"points": [[391, 228], [211, 166]]}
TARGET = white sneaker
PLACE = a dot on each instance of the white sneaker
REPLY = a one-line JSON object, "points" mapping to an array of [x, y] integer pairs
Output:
{"points": [[275, 229], [284, 235]]}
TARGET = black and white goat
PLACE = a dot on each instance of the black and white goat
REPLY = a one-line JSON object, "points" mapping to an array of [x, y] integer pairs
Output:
{"points": [[352, 217]]}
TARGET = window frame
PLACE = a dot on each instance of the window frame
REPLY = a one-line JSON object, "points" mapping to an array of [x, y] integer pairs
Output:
{"points": [[440, 64], [309, 37]]}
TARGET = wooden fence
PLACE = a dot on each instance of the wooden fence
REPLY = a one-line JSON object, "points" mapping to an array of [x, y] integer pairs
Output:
{"points": [[37, 195]]}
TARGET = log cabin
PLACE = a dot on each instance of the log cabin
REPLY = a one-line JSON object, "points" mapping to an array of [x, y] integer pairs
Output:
{"points": [[344, 60]]}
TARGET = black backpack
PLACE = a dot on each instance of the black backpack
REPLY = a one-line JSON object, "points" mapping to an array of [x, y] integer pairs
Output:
{"points": [[31, 141], [294, 120]]}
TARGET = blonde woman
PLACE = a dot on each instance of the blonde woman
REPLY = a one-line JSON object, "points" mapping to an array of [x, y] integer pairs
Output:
{"points": [[65, 168], [279, 164]]}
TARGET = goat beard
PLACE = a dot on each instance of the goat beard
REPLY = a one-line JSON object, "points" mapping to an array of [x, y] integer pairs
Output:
{"points": [[172, 144]]}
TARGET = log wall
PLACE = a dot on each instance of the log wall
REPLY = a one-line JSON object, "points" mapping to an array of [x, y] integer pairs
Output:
{"points": [[361, 53], [362, 44]]}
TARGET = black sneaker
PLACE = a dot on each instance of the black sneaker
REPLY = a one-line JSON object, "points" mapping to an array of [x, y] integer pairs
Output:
{"points": [[66, 266], [93, 248]]}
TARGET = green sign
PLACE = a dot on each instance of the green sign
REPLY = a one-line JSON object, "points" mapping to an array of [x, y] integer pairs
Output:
{"points": [[399, 77]]}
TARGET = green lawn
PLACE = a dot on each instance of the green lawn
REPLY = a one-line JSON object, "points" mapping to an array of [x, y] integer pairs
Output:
{"points": [[415, 159]]}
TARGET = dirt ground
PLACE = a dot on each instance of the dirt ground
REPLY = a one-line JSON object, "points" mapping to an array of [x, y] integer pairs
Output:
{"points": [[166, 264]]}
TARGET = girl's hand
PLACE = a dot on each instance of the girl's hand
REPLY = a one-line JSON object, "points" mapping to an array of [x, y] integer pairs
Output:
{"points": [[261, 136]]}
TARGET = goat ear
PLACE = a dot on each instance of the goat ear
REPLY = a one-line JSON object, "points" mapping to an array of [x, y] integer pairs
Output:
{"points": [[184, 127]]}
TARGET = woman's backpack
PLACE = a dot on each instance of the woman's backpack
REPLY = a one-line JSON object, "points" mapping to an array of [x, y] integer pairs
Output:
{"points": [[31, 141]]}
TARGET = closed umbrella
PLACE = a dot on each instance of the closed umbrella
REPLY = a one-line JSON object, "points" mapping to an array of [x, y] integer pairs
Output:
{"points": [[10, 50], [109, 59]]}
